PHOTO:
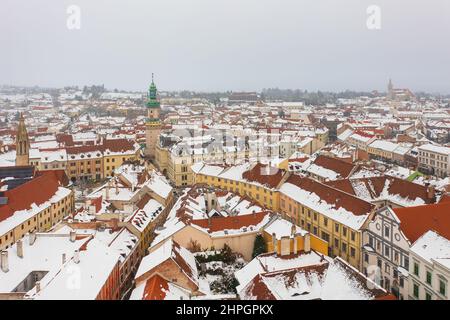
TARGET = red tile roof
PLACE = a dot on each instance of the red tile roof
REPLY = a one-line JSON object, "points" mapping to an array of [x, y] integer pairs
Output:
{"points": [[342, 167], [97, 202], [59, 175], [115, 145], [65, 139], [376, 185], [330, 195], [36, 191], [230, 223], [155, 288], [445, 198], [415, 221], [265, 175], [258, 287]]}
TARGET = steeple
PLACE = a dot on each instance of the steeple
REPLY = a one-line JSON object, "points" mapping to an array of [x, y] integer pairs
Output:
{"points": [[153, 101], [153, 123], [390, 92], [22, 144]]}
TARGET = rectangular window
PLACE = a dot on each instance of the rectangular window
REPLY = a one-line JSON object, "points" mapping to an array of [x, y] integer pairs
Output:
{"points": [[427, 296], [336, 228], [416, 290], [344, 247], [352, 252], [386, 231], [386, 251], [416, 268], [442, 287], [336, 243], [428, 277], [406, 263], [344, 231]]}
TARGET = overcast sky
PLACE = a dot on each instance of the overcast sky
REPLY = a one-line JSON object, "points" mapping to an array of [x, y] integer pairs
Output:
{"points": [[227, 44]]}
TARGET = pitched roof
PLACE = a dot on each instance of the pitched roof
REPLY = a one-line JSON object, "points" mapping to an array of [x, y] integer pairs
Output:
{"points": [[415, 221], [231, 223], [36, 191], [342, 167], [373, 188], [330, 280], [115, 145], [173, 251], [265, 175], [154, 288], [65, 139], [332, 195]]}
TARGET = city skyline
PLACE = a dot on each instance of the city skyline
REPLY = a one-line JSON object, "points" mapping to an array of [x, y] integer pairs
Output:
{"points": [[214, 47]]}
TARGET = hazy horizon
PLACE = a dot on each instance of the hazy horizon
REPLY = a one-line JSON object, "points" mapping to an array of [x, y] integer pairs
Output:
{"points": [[212, 46]]}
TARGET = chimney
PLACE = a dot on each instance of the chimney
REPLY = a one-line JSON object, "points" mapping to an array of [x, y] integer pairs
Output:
{"points": [[430, 192], [4, 261], [72, 236], [38, 286], [32, 238], [285, 249], [293, 230], [115, 224], [307, 245], [274, 242], [19, 245], [76, 256], [63, 258], [107, 191], [295, 244]]}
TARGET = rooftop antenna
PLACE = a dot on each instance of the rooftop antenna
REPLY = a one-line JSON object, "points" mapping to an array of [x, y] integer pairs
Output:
{"points": [[152, 77]]}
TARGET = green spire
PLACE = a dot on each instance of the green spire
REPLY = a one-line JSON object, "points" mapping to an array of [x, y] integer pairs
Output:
{"points": [[153, 96]]}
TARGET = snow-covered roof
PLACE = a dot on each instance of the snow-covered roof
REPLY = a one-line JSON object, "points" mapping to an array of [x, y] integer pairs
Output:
{"points": [[45, 254], [432, 247], [159, 184], [96, 263], [170, 250], [435, 148], [313, 201], [283, 228]]}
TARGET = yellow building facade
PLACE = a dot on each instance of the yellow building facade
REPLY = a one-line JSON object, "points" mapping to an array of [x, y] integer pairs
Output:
{"points": [[263, 196], [342, 240], [51, 213]]}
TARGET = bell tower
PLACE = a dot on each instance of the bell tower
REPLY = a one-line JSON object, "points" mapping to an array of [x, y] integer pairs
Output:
{"points": [[22, 144], [390, 92], [153, 123]]}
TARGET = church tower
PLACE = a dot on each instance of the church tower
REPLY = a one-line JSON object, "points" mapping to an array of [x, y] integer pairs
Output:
{"points": [[153, 123], [22, 144], [390, 92]]}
